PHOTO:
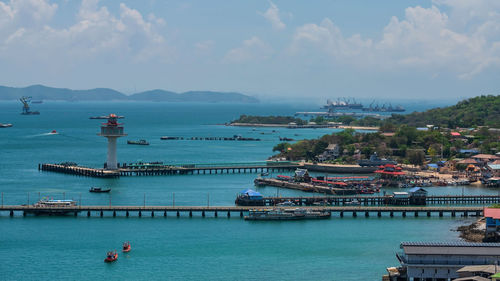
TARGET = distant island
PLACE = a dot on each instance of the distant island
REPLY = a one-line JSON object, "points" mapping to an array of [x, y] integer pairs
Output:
{"points": [[40, 92], [473, 112], [471, 126]]}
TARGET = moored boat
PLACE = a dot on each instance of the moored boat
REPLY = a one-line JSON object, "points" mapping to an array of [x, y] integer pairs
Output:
{"points": [[99, 190], [126, 247], [111, 256], [139, 142], [286, 214]]}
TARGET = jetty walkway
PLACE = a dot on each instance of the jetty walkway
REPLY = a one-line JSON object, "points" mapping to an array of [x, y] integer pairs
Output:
{"points": [[381, 200], [181, 169], [237, 210]]}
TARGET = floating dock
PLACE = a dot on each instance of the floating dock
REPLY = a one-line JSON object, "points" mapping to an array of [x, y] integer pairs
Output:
{"points": [[239, 210]]}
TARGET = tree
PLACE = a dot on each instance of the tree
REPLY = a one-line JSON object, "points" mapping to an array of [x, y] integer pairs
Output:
{"points": [[415, 157]]}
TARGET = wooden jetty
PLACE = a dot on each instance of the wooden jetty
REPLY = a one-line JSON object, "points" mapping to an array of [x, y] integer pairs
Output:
{"points": [[166, 170], [239, 210], [381, 200]]}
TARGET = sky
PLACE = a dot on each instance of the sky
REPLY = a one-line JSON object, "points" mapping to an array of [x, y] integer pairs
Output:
{"points": [[274, 50]]}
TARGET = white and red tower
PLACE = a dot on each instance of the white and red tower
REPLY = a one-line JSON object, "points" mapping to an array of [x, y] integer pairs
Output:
{"points": [[112, 130]]}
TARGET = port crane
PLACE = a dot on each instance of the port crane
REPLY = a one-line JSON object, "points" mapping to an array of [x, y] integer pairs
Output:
{"points": [[26, 106]]}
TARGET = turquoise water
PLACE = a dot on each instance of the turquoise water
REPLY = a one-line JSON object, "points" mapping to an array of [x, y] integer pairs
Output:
{"points": [[41, 248]]}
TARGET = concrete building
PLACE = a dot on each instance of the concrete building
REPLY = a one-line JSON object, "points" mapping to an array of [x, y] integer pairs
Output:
{"points": [[332, 152], [112, 131], [426, 261], [492, 216]]}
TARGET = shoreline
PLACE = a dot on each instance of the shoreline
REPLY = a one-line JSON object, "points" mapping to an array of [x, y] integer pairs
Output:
{"points": [[303, 126]]}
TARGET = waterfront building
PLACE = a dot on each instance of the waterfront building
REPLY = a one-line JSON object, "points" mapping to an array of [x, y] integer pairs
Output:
{"points": [[330, 153], [440, 261], [492, 216], [302, 175]]}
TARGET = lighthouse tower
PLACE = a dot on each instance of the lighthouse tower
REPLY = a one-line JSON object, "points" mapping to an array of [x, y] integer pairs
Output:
{"points": [[111, 130]]}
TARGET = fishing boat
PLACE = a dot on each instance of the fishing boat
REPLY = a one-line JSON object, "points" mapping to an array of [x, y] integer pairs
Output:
{"points": [[126, 247], [99, 190], [5, 125], [286, 214], [139, 142], [111, 256]]}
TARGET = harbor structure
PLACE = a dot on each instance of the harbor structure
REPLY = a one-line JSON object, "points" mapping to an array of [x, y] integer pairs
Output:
{"points": [[112, 130], [441, 260], [26, 107]]}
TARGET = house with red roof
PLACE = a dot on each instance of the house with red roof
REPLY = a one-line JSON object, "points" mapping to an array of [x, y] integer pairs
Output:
{"points": [[492, 216]]}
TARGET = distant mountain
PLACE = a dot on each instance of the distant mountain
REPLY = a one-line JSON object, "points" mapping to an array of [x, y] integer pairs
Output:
{"points": [[40, 92]]}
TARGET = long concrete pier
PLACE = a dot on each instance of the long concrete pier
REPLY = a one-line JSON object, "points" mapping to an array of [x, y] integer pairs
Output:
{"points": [[164, 170], [153, 211]]}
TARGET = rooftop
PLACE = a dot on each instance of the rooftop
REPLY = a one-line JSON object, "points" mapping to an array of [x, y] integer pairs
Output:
{"points": [[492, 213]]}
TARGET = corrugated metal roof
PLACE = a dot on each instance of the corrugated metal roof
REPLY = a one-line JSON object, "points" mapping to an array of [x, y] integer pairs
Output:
{"points": [[494, 166], [492, 213], [449, 244]]}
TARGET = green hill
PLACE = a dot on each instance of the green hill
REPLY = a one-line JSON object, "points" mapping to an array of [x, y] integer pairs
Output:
{"points": [[477, 111]]}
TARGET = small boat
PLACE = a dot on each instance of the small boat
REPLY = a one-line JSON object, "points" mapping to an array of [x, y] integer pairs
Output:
{"points": [[126, 247], [5, 125], [99, 190], [286, 203], [53, 132], [111, 256], [354, 202], [139, 142], [37, 101]]}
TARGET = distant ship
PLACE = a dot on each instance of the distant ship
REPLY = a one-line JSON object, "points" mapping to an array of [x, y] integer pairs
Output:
{"points": [[375, 161], [342, 104], [384, 108]]}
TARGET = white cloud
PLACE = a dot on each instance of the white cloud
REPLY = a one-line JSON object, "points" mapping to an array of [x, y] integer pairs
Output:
{"points": [[204, 47], [426, 38], [96, 33], [273, 16], [253, 49]]}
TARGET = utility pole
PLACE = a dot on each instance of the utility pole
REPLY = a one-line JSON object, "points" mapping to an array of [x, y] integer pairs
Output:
{"points": [[208, 199], [144, 200], [173, 199]]}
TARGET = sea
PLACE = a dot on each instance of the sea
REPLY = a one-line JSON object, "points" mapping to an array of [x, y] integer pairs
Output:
{"points": [[179, 248]]}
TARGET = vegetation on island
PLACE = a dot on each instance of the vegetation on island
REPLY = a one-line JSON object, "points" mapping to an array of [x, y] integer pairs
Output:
{"points": [[407, 145], [473, 112], [281, 120], [470, 124], [470, 113]]}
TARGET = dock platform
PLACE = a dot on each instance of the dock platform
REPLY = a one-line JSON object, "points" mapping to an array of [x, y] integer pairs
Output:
{"points": [[380, 200], [239, 210]]}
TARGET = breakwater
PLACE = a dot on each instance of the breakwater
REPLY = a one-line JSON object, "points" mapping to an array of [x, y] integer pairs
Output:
{"points": [[239, 210], [303, 186]]}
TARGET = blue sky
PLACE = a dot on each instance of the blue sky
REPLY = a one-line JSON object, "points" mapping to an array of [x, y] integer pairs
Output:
{"points": [[290, 49]]}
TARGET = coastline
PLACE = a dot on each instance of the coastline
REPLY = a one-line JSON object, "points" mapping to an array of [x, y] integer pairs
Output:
{"points": [[303, 126]]}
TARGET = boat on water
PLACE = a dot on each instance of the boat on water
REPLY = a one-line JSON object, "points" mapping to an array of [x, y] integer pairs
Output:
{"points": [[375, 161], [104, 117], [99, 190], [353, 202], [138, 142], [53, 132], [37, 101], [126, 247], [169, 138], [111, 256], [52, 207], [286, 214], [5, 125]]}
